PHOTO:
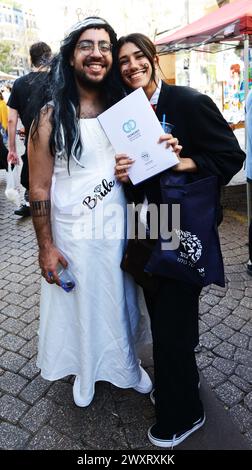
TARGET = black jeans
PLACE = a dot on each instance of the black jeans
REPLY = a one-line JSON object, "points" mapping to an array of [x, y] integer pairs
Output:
{"points": [[174, 321]]}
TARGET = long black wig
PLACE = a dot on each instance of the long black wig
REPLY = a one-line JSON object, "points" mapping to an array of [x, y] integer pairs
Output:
{"points": [[61, 90]]}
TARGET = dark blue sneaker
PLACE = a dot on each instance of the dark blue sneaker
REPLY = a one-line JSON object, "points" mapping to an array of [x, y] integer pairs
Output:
{"points": [[173, 440]]}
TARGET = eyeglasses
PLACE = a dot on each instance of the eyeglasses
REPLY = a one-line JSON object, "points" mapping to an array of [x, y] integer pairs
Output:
{"points": [[86, 47]]}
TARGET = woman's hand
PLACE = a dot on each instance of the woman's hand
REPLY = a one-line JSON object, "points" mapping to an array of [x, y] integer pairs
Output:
{"points": [[123, 163], [171, 141], [185, 163]]}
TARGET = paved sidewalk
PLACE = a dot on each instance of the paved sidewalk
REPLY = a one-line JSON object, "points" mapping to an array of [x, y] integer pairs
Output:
{"points": [[37, 414]]}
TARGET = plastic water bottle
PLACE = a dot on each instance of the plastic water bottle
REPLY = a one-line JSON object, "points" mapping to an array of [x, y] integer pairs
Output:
{"points": [[67, 281]]}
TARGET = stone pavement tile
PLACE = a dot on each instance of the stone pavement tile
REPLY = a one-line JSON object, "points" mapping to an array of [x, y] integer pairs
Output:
{"points": [[3, 283], [30, 348], [11, 325], [76, 419], [242, 417], [203, 327], [250, 344], [203, 360], [248, 436], [38, 415], [12, 437], [229, 394], [136, 434], [217, 291], [131, 411], [3, 293], [14, 277], [224, 365], [15, 299], [2, 305], [14, 268], [30, 370], [234, 322], [225, 350], [29, 270], [209, 341], [240, 383], [11, 409], [35, 390], [31, 301], [210, 299], [2, 351], [12, 383], [213, 377], [248, 292], [235, 293], [103, 433], [236, 285], [244, 372], [248, 401], [229, 302], [13, 311], [210, 320], [29, 261], [61, 393], [30, 331], [222, 331], [14, 287], [240, 340], [220, 311], [12, 342], [12, 361], [49, 439], [244, 357], [247, 302], [3, 266], [247, 329], [2, 333], [204, 307], [28, 280], [31, 315], [30, 290]]}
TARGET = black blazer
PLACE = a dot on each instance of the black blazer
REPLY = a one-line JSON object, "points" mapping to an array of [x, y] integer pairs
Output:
{"points": [[202, 131]]}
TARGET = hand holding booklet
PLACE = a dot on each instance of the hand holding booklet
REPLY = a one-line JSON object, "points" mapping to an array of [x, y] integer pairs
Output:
{"points": [[133, 128]]}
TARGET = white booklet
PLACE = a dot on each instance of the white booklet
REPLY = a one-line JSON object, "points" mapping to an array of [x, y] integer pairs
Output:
{"points": [[133, 128]]}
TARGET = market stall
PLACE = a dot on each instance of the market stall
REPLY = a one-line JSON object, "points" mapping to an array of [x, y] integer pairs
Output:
{"points": [[232, 22]]}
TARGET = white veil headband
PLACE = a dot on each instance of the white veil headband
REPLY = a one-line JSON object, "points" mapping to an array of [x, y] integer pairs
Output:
{"points": [[91, 20]]}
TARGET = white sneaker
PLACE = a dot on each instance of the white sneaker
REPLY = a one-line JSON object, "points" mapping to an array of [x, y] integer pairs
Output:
{"points": [[145, 384], [78, 400]]}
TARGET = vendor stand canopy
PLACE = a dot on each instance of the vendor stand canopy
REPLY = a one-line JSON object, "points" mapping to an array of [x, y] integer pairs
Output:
{"points": [[232, 22], [228, 23]]}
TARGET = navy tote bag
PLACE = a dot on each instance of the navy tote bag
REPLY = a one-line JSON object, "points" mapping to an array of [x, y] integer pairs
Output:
{"points": [[198, 259]]}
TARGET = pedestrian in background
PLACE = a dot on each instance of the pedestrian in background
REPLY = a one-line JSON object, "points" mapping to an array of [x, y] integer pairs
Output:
{"points": [[21, 105]]}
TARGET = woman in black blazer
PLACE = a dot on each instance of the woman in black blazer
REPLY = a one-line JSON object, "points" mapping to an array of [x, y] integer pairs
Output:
{"points": [[209, 147]]}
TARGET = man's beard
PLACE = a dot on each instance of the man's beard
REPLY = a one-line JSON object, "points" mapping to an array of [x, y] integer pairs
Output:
{"points": [[84, 81]]}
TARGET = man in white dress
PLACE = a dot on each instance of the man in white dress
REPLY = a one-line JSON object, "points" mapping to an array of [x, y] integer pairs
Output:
{"points": [[92, 331]]}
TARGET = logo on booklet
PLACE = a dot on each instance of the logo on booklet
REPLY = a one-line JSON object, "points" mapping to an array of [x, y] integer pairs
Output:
{"points": [[129, 126]]}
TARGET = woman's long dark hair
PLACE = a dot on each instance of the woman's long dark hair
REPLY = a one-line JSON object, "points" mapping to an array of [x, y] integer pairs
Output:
{"points": [[61, 88]]}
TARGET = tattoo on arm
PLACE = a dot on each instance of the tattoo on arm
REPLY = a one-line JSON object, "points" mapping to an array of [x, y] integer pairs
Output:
{"points": [[40, 208]]}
